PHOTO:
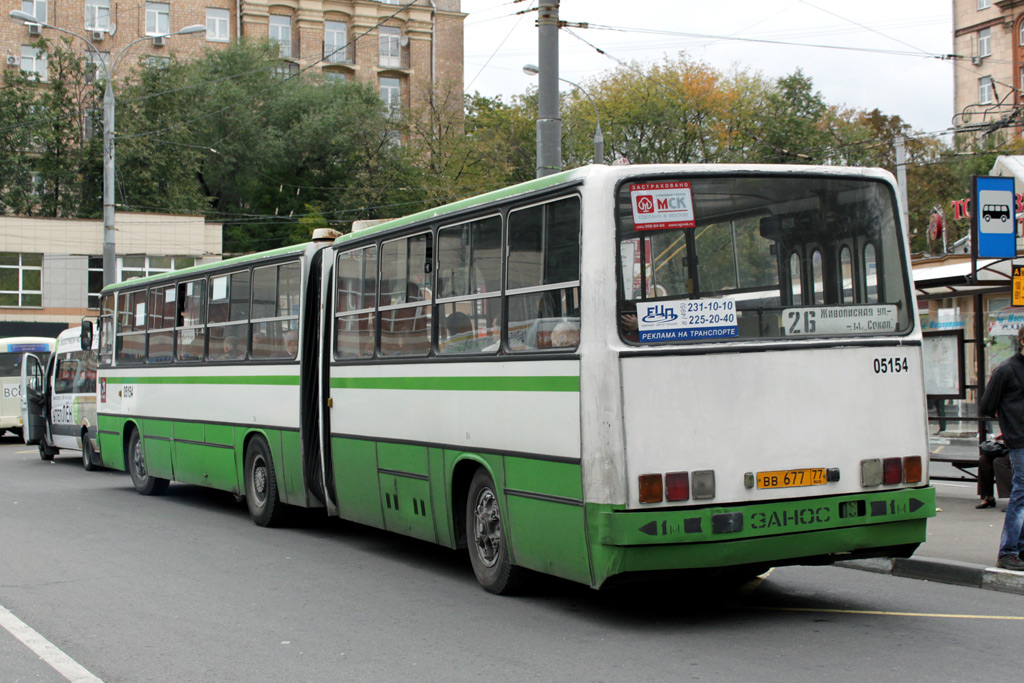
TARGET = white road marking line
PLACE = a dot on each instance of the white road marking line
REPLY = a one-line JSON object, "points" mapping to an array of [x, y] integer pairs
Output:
{"points": [[47, 651]]}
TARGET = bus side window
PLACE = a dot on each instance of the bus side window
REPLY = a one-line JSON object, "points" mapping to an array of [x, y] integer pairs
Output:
{"points": [[191, 335], [405, 327], [356, 292], [543, 271]]}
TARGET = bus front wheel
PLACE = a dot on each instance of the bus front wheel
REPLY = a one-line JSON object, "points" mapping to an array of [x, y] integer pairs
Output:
{"points": [[261, 497], [88, 454], [486, 538], [46, 451], [144, 482]]}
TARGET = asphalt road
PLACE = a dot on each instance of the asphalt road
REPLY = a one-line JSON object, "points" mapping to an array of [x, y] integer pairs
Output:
{"points": [[186, 588]]}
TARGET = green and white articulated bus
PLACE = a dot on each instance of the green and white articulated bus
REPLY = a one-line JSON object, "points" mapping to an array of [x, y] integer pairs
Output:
{"points": [[602, 374]]}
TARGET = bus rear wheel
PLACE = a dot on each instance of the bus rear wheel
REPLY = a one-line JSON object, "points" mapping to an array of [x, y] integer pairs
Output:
{"points": [[485, 536], [261, 496], [144, 482]]}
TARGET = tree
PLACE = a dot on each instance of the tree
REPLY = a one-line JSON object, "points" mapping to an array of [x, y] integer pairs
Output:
{"points": [[230, 136], [49, 147]]}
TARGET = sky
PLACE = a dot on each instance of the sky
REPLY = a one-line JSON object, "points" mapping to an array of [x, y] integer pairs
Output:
{"points": [[892, 66]]}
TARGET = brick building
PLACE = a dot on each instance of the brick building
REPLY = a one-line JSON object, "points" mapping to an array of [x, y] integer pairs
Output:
{"points": [[988, 35], [401, 47]]}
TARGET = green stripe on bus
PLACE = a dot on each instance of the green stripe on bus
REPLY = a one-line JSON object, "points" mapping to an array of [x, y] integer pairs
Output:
{"points": [[459, 383], [271, 380]]}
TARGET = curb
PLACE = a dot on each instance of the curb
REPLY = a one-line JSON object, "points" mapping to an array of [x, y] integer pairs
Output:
{"points": [[943, 571]]}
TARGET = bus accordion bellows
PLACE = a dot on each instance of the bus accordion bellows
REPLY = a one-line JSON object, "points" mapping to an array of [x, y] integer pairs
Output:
{"points": [[12, 354], [605, 373]]}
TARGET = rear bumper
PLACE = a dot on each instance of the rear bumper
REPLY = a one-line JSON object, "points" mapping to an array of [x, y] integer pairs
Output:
{"points": [[805, 531]]}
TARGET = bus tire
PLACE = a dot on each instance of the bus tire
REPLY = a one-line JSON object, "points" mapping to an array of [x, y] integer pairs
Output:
{"points": [[486, 538], [261, 496], [88, 455], [144, 482]]}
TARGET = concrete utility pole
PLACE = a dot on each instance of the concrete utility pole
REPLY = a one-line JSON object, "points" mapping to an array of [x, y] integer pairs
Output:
{"points": [[549, 123], [901, 180]]}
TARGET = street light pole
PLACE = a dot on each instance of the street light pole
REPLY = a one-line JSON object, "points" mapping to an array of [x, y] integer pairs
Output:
{"points": [[109, 252], [533, 70]]}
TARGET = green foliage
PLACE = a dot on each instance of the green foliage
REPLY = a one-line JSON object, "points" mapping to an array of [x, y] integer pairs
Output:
{"points": [[46, 132], [229, 137]]}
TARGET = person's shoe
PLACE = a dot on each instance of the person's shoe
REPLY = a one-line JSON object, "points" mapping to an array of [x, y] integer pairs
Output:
{"points": [[1011, 562], [987, 503]]}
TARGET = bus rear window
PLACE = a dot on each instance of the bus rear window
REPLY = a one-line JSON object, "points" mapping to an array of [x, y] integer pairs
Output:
{"points": [[754, 257]]}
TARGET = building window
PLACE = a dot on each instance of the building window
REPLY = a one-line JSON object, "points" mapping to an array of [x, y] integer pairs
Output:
{"points": [[33, 62], [36, 8], [1020, 33], [335, 76], [92, 123], [984, 4], [281, 33], [144, 266], [97, 15], [21, 279], [391, 95], [157, 61], [335, 42], [390, 47], [158, 18], [101, 62], [95, 280], [986, 90], [985, 42], [286, 69], [218, 25]]}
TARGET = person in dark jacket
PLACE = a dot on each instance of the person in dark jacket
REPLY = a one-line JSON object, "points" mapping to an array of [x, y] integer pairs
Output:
{"points": [[1004, 398]]}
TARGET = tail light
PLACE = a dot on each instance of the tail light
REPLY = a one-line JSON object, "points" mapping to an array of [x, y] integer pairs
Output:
{"points": [[703, 484], [677, 486], [892, 471], [651, 488], [912, 470], [871, 472]]}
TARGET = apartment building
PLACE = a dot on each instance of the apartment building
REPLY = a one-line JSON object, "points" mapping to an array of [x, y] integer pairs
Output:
{"points": [[988, 37], [403, 48]]}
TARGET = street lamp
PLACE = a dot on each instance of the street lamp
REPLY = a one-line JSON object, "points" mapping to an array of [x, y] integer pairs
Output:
{"points": [[533, 70], [109, 254]]}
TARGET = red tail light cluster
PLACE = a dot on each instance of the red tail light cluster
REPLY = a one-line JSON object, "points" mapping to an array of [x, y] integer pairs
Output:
{"points": [[677, 486], [889, 471]]}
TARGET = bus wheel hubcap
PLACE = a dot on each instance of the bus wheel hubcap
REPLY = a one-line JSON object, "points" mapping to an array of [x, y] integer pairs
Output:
{"points": [[487, 533], [140, 463], [259, 480]]}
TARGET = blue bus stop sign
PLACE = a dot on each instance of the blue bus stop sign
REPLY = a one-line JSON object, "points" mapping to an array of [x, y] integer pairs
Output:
{"points": [[994, 215]]}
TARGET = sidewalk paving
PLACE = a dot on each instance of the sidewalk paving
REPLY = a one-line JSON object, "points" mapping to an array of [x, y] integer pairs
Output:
{"points": [[961, 546]]}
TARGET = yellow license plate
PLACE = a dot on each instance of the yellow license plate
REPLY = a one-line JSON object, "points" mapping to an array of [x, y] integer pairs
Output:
{"points": [[781, 479]]}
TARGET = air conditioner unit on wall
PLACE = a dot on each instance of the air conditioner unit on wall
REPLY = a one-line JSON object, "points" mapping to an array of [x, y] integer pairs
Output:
{"points": [[35, 29], [160, 41], [12, 60], [98, 36]]}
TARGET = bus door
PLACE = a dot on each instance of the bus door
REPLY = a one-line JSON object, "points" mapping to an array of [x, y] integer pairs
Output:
{"points": [[33, 399]]}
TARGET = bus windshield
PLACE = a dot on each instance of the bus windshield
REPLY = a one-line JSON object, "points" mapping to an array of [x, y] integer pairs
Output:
{"points": [[752, 257]]}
